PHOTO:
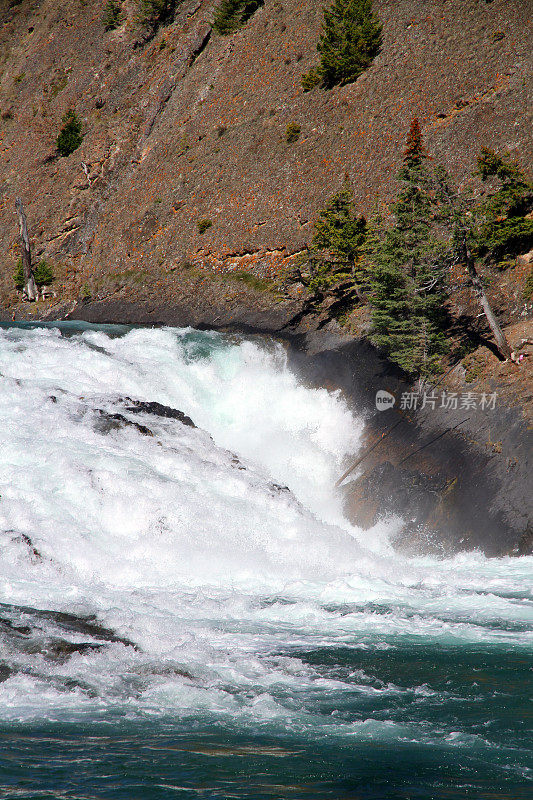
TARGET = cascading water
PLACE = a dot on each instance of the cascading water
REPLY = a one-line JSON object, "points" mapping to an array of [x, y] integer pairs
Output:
{"points": [[185, 610]]}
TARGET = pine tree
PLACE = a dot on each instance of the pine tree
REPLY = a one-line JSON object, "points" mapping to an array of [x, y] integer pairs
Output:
{"points": [[230, 15], [154, 13], [337, 242], [414, 147], [407, 264], [350, 40], [464, 240], [505, 225], [70, 136], [112, 16]]}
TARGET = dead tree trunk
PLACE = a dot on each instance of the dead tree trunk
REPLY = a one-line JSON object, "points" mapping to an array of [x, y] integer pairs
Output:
{"points": [[468, 259], [30, 287]]}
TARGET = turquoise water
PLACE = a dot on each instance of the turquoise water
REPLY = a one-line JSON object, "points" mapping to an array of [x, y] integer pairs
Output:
{"points": [[189, 613], [466, 738]]}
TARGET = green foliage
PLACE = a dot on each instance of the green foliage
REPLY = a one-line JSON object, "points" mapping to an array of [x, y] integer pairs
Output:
{"points": [[528, 287], [292, 134], [310, 80], [42, 274], [70, 136], [336, 247], [489, 164], [349, 42], [203, 225], [230, 15], [154, 13], [18, 275], [407, 265], [503, 224], [112, 16], [251, 280]]}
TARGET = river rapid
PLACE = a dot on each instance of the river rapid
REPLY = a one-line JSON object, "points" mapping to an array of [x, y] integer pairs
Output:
{"points": [[185, 611]]}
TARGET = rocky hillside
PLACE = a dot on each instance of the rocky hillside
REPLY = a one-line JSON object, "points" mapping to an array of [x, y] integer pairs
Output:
{"points": [[183, 126]]}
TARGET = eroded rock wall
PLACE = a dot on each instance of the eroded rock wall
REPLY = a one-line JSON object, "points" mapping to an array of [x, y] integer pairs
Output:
{"points": [[190, 126]]}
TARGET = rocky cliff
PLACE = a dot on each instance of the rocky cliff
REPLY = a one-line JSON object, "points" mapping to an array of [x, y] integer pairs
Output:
{"points": [[186, 125]]}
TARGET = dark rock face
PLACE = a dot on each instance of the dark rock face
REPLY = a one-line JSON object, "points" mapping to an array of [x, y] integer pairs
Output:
{"points": [[159, 410], [50, 637], [31, 631], [211, 313], [107, 422], [454, 487], [24, 619]]}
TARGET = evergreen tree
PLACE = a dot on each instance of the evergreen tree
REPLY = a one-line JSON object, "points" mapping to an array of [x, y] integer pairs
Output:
{"points": [[70, 136], [350, 39], [336, 246], [112, 16], [230, 15], [455, 213], [414, 147], [407, 264], [505, 227], [154, 13], [42, 274]]}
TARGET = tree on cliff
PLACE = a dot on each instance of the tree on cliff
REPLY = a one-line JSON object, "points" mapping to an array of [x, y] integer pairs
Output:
{"points": [[154, 13], [407, 263], [331, 267], [70, 136], [231, 14], [337, 242], [435, 228], [466, 237], [349, 42], [505, 225]]}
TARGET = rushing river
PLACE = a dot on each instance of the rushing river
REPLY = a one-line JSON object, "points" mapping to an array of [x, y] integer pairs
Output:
{"points": [[185, 612]]}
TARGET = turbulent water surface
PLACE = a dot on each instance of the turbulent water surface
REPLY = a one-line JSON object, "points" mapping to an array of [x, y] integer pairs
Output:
{"points": [[184, 611]]}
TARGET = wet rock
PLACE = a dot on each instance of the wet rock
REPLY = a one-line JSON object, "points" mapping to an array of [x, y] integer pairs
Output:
{"points": [[435, 468], [525, 544], [276, 488], [61, 649], [108, 422], [159, 410], [24, 539], [7, 625], [72, 623]]}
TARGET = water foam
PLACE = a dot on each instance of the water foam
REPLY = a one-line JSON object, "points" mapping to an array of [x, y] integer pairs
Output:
{"points": [[187, 543]]}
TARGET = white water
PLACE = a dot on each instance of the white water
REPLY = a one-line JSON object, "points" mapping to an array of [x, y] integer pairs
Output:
{"points": [[206, 566]]}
